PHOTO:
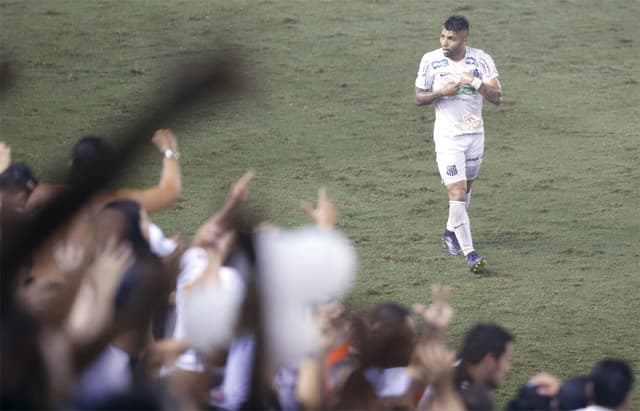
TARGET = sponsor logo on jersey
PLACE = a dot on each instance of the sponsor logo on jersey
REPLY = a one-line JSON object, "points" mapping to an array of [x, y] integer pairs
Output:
{"points": [[471, 123], [470, 60], [440, 63], [452, 170], [467, 90]]}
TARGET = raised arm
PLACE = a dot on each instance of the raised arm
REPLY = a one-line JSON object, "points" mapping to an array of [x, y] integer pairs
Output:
{"points": [[215, 227], [5, 156], [169, 188], [325, 214], [439, 315]]}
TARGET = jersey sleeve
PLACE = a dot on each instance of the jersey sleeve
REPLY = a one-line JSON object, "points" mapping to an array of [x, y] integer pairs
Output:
{"points": [[424, 80], [487, 66]]}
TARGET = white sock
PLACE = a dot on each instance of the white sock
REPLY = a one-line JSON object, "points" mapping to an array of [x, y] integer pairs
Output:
{"points": [[459, 220], [449, 225], [467, 201]]}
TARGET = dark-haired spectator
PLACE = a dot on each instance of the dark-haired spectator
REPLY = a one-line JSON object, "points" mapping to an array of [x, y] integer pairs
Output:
{"points": [[573, 393], [611, 386], [120, 307], [485, 358], [529, 398], [393, 366], [90, 151], [201, 272], [80, 231], [17, 182]]}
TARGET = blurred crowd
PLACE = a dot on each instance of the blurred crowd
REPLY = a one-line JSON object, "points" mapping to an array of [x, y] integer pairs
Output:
{"points": [[106, 311]]}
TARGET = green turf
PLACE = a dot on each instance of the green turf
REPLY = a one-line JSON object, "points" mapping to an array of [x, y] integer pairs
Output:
{"points": [[556, 209]]}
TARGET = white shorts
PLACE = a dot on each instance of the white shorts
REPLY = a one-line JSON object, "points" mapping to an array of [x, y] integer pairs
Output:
{"points": [[459, 158]]}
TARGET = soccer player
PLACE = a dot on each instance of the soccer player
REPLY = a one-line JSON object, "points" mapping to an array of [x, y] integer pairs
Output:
{"points": [[456, 79]]}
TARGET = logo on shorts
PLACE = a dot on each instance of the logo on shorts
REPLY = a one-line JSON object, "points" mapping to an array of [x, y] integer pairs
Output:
{"points": [[452, 170]]}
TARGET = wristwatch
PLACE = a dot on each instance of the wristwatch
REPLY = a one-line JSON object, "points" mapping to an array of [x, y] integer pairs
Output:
{"points": [[170, 153]]}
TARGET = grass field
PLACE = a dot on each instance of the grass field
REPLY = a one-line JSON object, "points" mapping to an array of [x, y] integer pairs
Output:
{"points": [[556, 209]]}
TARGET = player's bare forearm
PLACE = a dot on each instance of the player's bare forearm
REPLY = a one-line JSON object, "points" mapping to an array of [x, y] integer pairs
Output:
{"points": [[491, 93], [426, 97]]}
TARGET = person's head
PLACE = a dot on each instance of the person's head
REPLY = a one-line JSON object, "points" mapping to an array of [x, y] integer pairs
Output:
{"points": [[88, 155], [612, 383], [17, 183], [529, 399], [127, 221], [454, 37], [391, 336], [572, 394], [486, 354]]}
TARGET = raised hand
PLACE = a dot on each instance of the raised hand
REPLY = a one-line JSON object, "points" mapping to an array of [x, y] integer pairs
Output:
{"points": [[69, 257], [93, 308], [325, 214], [5, 156], [164, 139], [548, 385], [240, 189], [439, 315]]}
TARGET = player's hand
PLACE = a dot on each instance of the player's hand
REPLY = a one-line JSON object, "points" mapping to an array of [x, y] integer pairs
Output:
{"points": [[450, 89], [164, 139], [466, 78]]}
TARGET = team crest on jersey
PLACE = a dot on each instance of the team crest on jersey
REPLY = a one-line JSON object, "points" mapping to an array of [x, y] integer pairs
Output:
{"points": [[476, 73], [452, 170], [440, 63]]}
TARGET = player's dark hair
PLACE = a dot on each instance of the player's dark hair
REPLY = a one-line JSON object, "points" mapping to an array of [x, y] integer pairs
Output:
{"points": [[457, 24], [17, 178], [89, 154], [483, 339], [612, 380]]}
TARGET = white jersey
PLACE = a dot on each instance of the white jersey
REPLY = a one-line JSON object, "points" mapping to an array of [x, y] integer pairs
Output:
{"points": [[462, 113]]}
